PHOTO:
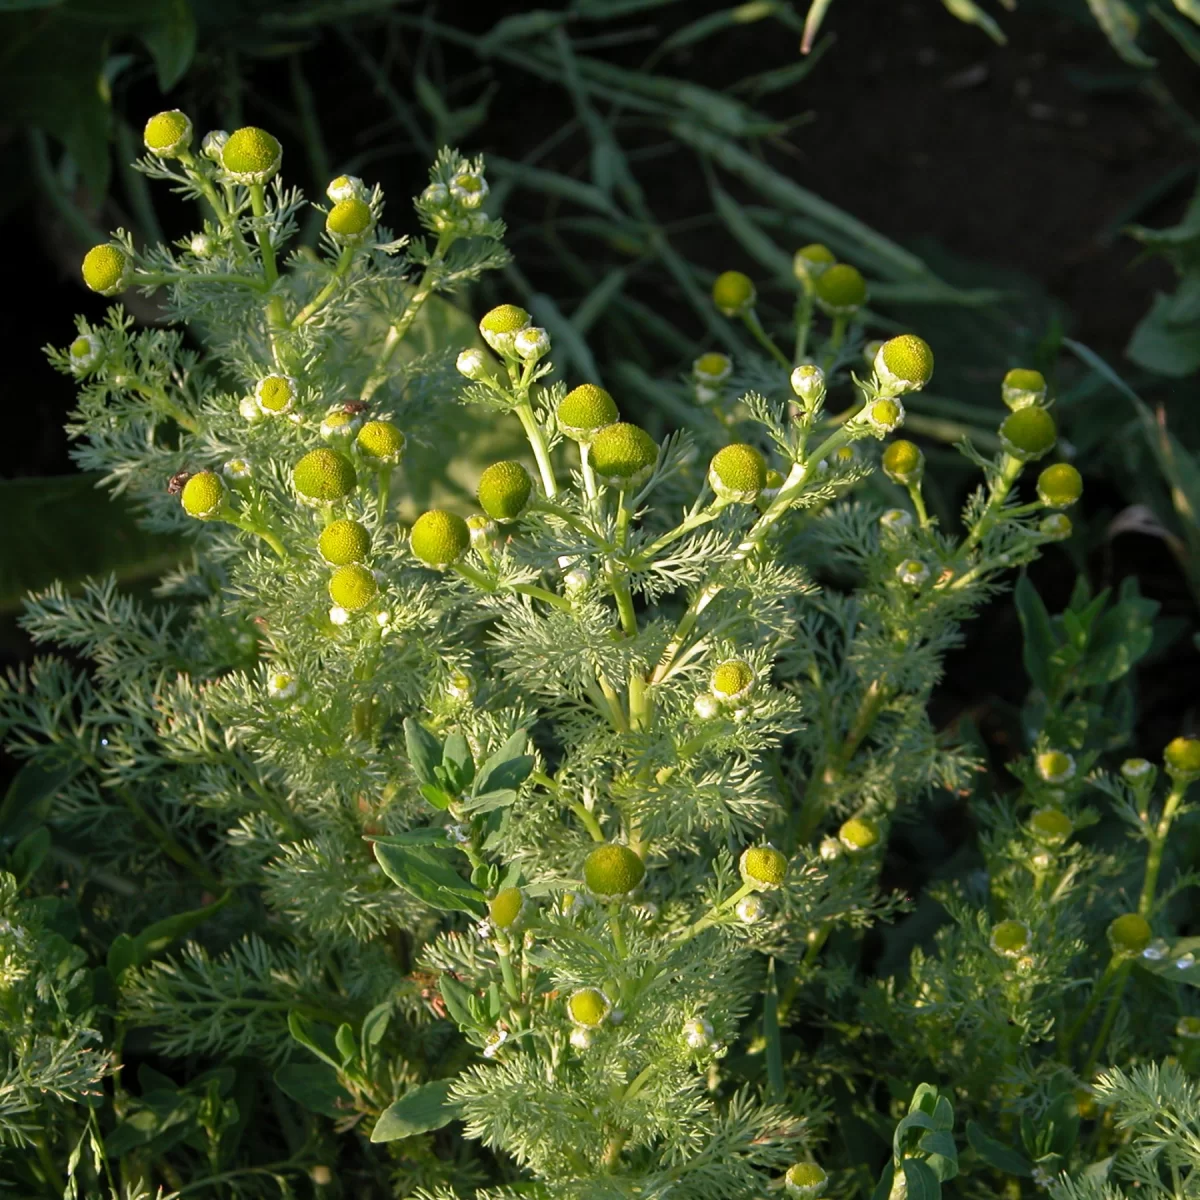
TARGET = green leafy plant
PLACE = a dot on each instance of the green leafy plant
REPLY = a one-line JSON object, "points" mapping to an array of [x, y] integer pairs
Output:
{"points": [[552, 823]]}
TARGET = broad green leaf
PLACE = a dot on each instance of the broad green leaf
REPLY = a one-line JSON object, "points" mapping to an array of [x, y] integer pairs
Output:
{"points": [[1121, 636], [424, 750], [426, 835], [884, 1187], [69, 532], [509, 767], [922, 1183], [418, 1111], [317, 1040], [726, 18], [438, 797], [1181, 962], [1162, 344], [316, 1087], [771, 1034], [31, 793], [374, 1028], [489, 801], [346, 1043], [170, 36], [29, 854], [125, 952], [457, 1000], [997, 1154], [1039, 640], [457, 762], [430, 877]]}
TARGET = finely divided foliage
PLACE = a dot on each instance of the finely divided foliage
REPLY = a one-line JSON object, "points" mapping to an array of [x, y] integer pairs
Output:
{"points": [[361, 846]]}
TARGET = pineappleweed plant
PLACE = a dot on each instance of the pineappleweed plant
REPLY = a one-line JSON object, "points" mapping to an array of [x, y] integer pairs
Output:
{"points": [[589, 777]]}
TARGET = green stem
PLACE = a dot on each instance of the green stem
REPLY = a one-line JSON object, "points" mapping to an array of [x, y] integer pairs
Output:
{"points": [[246, 525], [1110, 1015], [537, 441], [197, 175], [617, 576], [539, 504], [918, 502], [323, 297], [395, 334], [714, 914], [760, 335], [692, 521], [1010, 469], [1158, 844], [54, 1176], [804, 315], [618, 934], [383, 493], [510, 980], [540, 593], [836, 337], [258, 205], [1081, 1021], [589, 476]]}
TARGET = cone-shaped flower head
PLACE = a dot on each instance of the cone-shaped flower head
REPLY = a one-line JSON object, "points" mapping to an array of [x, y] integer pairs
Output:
{"points": [[505, 907], [323, 476], [903, 462], [904, 363], [251, 155], [763, 866], [440, 538], [841, 290], [352, 587], [1059, 485], [738, 473], [106, 269], [613, 870], [343, 542], [623, 455], [381, 443], [584, 411], [203, 495], [733, 293], [1022, 388], [504, 490], [167, 133], [1028, 433], [349, 219]]}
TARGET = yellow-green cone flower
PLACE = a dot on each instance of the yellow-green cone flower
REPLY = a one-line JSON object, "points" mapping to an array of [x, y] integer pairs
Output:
{"points": [[1054, 766], [1182, 757], [1011, 938], [805, 1181], [203, 495], [711, 369], [584, 411], [343, 542], [323, 476], [274, 394], [505, 907], [381, 443], [352, 587], [613, 870], [350, 219], [440, 538], [733, 293], [1022, 388], [738, 473], [500, 326], [763, 866], [1129, 935], [903, 462], [904, 364], [504, 490], [251, 155], [811, 261], [883, 416], [1059, 486], [1028, 433], [623, 455], [167, 133], [732, 680], [858, 834], [841, 290], [1050, 826], [588, 1007], [106, 269]]}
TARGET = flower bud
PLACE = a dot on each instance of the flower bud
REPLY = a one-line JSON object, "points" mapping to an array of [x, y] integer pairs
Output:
{"points": [[1028, 433], [883, 416], [1054, 766], [251, 155], [1188, 1027], [1022, 388], [84, 353], [203, 495], [505, 907], [712, 369], [282, 685], [352, 587], [349, 220], [1059, 486], [805, 1179], [582, 1037], [501, 325], [346, 187], [482, 530], [706, 706], [439, 538], [201, 245], [107, 269], [903, 462], [1057, 527], [323, 476], [811, 261], [274, 394], [808, 382], [1138, 770], [381, 443], [470, 362], [1182, 757], [623, 455], [584, 411], [896, 520], [339, 425], [697, 1033], [771, 488], [167, 133], [342, 542], [750, 909], [504, 490], [493, 1041], [763, 867], [1129, 935], [214, 144], [904, 364], [1011, 939], [236, 469], [737, 473], [858, 834], [912, 571], [613, 870], [531, 344], [588, 1007], [732, 680], [840, 290], [733, 293], [1050, 826], [469, 189]]}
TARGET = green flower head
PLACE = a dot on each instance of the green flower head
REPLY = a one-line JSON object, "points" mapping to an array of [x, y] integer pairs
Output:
{"points": [[168, 133], [1059, 486], [584, 411], [440, 538], [106, 269], [811, 261], [1182, 756], [1129, 935], [1028, 433], [500, 326], [805, 1181], [381, 442], [504, 490], [903, 462], [613, 870], [841, 290], [588, 1007], [203, 495], [623, 455], [323, 476], [733, 293], [1011, 939], [343, 542], [1022, 388], [251, 155], [732, 680], [352, 587], [858, 834], [904, 363], [1051, 826], [349, 219], [763, 867], [274, 394]]}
